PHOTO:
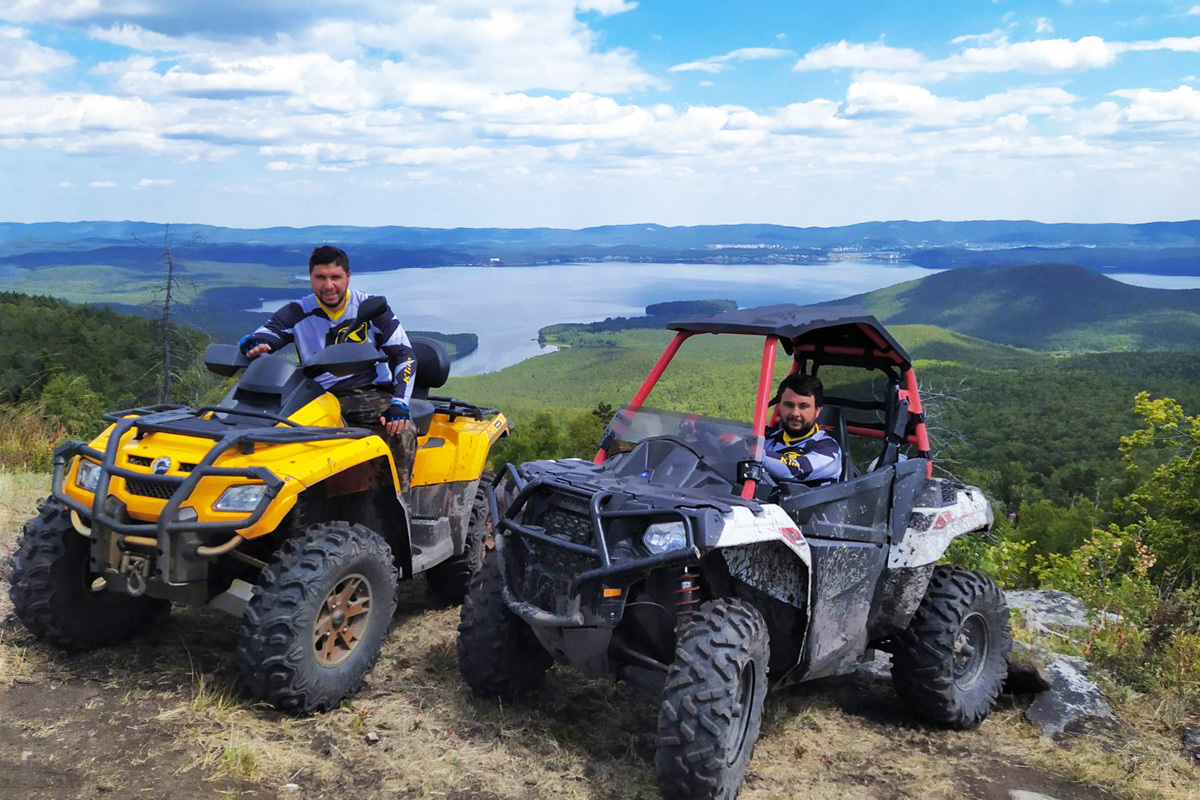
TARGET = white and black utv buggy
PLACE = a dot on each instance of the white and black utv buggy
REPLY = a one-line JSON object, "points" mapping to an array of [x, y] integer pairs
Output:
{"points": [[676, 563]]}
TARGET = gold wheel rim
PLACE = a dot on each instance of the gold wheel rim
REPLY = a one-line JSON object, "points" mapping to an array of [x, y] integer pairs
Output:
{"points": [[342, 620]]}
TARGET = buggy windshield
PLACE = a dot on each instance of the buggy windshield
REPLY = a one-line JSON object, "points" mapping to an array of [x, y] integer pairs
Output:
{"points": [[720, 443]]}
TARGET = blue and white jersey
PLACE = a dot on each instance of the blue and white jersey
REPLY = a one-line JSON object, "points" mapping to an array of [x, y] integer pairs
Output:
{"points": [[308, 323], [814, 458]]}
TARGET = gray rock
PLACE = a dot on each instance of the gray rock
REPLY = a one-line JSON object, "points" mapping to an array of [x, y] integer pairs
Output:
{"points": [[1072, 696], [876, 665], [1027, 669], [1021, 794], [1191, 742], [1049, 611]]}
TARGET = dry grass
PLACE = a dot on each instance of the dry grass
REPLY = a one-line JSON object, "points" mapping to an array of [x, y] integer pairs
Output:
{"points": [[27, 439], [19, 493], [578, 739]]}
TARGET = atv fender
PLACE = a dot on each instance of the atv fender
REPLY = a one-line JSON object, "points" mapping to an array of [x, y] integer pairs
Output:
{"points": [[944, 510]]}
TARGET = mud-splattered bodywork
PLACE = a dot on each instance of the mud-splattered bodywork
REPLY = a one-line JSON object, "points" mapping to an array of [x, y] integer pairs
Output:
{"points": [[833, 569]]}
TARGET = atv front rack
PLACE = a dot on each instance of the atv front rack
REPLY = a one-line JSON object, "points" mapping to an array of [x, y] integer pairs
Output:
{"points": [[608, 571], [187, 422]]}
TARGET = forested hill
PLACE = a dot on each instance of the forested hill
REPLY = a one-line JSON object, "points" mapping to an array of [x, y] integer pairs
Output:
{"points": [[1045, 307], [118, 356]]}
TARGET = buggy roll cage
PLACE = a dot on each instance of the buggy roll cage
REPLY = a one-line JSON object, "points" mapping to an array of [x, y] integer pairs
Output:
{"points": [[835, 335]]}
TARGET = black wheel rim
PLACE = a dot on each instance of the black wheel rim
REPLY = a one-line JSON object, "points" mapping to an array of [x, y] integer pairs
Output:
{"points": [[971, 650], [739, 730]]}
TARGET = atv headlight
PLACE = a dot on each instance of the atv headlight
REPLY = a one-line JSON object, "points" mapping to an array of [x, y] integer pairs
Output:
{"points": [[240, 498], [663, 536], [88, 475]]}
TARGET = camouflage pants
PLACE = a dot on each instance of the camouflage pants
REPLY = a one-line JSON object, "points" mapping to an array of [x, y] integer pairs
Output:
{"points": [[362, 406]]}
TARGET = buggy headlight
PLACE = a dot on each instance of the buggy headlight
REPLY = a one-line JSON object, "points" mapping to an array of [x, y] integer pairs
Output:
{"points": [[240, 498], [88, 475], [663, 536]]}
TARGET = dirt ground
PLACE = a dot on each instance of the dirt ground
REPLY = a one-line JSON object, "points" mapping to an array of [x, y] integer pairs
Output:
{"points": [[164, 715]]}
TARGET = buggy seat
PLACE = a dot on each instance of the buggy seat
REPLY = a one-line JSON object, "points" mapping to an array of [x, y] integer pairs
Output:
{"points": [[834, 423]]}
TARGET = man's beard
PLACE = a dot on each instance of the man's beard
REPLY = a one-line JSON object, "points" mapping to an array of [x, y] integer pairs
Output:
{"points": [[800, 431]]}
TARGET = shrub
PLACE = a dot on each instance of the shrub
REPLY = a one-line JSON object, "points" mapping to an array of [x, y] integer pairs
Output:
{"points": [[27, 439]]}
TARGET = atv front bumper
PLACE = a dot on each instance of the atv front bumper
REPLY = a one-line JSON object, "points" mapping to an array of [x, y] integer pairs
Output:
{"points": [[170, 556]]}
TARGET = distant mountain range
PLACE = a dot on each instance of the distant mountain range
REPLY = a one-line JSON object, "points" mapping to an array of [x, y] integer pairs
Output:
{"points": [[1163, 248], [901, 234], [1044, 307], [987, 311]]}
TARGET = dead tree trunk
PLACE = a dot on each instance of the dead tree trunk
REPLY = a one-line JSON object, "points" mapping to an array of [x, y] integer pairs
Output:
{"points": [[169, 257]]}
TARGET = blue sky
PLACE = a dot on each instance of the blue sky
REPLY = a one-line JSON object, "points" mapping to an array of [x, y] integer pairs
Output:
{"points": [[571, 113]]}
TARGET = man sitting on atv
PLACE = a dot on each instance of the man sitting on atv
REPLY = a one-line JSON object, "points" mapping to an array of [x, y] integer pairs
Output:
{"points": [[376, 399], [798, 449]]}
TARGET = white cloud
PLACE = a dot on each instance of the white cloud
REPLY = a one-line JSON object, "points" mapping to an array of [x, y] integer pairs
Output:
{"points": [[606, 7], [1042, 55], [715, 64], [45, 10], [153, 183], [991, 53], [888, 98], [1043, 25], [1177, 44], [860, 56], [1147, 105], [1194, 10], [20, 57], [101, 185]]}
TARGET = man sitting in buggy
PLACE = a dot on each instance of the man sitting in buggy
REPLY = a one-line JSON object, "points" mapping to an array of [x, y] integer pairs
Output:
{"points": [[798, 449]]}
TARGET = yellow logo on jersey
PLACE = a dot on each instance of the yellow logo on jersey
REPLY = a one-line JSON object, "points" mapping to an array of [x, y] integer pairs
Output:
{"points": [[791, 459], [358, 334]]}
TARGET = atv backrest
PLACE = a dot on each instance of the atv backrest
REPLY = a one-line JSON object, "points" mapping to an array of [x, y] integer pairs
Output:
{"points": [[433, 365]]}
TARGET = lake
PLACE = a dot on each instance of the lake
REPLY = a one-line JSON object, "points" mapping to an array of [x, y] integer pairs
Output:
{"points": [[506, 306]]}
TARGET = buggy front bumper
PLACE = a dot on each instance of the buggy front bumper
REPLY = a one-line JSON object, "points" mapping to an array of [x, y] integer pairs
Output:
{"points": [[554, 579]]}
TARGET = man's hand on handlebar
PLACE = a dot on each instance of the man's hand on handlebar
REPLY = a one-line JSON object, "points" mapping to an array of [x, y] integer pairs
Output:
{"points": [[253, 347]]}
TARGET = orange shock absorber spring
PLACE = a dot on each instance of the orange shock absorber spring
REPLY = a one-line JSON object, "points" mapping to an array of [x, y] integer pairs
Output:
{"points": [[687, 596]]}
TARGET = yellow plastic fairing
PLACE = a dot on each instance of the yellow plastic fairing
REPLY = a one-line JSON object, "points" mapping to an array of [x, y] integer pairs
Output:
{"points": [[455, 451], [298, 465]]}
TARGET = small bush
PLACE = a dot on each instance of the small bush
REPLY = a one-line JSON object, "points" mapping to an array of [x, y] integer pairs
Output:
{"points": [[27, 439]]}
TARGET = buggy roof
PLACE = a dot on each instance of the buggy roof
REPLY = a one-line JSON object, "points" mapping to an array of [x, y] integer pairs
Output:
{"points": [[840, 326]]}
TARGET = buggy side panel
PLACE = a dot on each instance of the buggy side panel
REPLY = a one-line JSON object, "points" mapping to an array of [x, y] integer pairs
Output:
{"points": [[944, 511], [846, 526], [901, 590]]}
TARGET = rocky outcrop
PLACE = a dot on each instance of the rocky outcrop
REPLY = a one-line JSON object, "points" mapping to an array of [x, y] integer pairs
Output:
{"points": [[1064, 692]]}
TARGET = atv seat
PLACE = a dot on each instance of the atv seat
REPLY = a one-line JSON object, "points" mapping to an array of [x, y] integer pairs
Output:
{"points": [[433, 368]]}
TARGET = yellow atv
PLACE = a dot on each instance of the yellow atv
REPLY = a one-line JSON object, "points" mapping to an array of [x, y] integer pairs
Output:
{"points": [[265, 506]]}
